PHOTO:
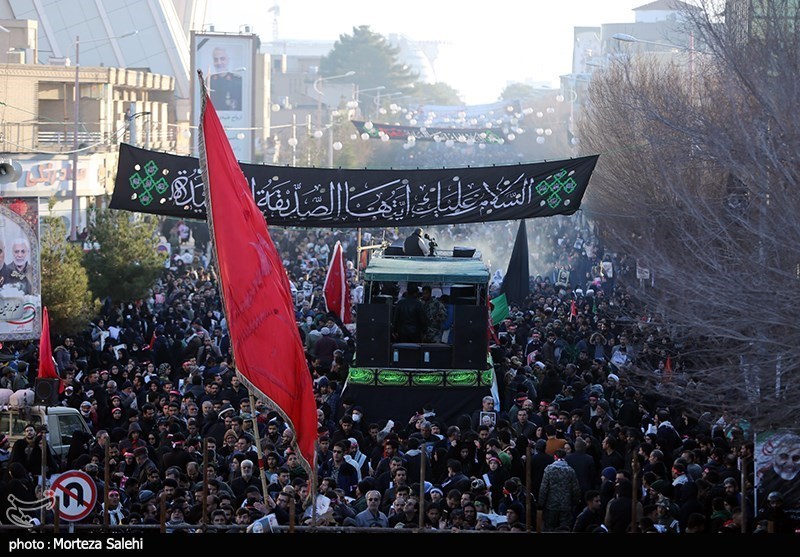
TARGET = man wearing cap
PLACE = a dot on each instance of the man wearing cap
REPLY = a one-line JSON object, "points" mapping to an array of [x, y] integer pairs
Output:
{"points": [[324, 348], [12, 379], [144, 466], [127, 395]]}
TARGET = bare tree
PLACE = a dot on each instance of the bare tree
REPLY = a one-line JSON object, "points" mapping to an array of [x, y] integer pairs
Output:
{"points": [[698, 181]]}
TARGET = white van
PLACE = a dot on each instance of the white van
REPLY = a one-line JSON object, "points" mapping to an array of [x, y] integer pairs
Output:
{"points": [[62, 422]]}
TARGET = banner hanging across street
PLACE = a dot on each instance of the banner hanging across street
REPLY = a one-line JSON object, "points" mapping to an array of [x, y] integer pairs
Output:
{"points": [[172, 185], [403, 133]]}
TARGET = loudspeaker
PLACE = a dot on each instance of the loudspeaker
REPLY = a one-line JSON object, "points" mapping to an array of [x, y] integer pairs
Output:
{"points": [[373, 327], [463, 295], [405, 355], [45, 392], [394, 249], [10, 171], [436, 356], [470, 337], [463, 252]]}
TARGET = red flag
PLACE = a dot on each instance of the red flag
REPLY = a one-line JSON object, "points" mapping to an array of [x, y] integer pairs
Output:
{"points": [[266, 345], [573, 311], [668, 368], [47, 365], [337, 294]]}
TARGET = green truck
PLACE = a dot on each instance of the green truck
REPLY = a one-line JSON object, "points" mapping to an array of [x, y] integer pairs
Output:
{"points": [[396, 380]]}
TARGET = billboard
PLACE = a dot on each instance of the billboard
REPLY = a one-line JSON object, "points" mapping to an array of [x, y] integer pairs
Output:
{"points": [[228, 63], [20, 276]]}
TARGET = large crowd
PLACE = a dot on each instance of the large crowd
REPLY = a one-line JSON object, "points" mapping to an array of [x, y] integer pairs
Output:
{"points": [[153, 379]]}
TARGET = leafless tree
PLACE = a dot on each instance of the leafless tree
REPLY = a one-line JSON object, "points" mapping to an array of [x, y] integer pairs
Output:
{"points": [[698, 180]]}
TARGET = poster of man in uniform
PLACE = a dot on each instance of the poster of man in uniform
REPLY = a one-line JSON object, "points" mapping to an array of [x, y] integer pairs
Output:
{"points": [[225, 85], [228, 65], [20, 276], [778, 469]]}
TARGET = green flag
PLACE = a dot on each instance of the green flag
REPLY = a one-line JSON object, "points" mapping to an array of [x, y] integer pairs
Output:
{"points": [[500, 310]]}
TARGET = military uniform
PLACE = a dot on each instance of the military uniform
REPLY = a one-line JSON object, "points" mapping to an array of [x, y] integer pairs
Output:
{"points": [[435, 313], [226, 91]]}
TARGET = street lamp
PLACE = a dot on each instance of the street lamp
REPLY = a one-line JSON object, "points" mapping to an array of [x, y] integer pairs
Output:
{"points": [[319, 92], [73, 234], [378, 100], [328, 78], [132, 129], [626, 38], [359, 91]]}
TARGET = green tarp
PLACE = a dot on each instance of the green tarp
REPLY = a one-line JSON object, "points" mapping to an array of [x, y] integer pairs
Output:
{"points": [[443, 270]]}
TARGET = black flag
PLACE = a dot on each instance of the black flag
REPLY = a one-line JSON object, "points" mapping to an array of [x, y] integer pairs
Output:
{"points": [[516, 283]]}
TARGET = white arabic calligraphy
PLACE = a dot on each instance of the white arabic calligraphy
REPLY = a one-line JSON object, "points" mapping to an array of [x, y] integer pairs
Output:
{"points": [[393, 200]]}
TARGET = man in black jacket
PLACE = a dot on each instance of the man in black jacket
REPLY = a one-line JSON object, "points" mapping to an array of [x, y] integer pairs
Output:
{"points": [[414, 244], [409, 317]]}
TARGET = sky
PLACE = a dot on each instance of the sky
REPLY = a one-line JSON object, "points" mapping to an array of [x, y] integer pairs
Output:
{"points": [[486, 45]]}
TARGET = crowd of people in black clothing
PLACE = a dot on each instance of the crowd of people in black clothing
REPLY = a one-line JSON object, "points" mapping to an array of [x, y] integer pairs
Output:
{"points": [[154, 381]]}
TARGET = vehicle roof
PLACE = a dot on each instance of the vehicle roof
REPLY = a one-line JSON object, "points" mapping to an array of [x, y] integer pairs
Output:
{"points": [[39, 408], [444, 270]]}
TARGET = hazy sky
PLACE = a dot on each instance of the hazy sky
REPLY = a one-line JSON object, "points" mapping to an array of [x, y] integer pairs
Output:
{"points": [[488, 44]]}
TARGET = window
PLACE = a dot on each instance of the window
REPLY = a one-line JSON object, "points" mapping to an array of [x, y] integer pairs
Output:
{"points": [[69, 424], [13, 423]]}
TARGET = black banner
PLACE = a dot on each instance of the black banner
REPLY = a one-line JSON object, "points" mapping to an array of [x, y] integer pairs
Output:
{"points": [[171, 185]]}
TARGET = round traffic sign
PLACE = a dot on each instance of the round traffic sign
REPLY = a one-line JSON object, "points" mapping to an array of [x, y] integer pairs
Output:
{"points": [[76, 493]]}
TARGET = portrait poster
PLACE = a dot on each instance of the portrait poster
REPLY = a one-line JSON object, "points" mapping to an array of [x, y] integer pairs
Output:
{"points": [[20, 273], [777, 466], [488, 418], [228, 66]]}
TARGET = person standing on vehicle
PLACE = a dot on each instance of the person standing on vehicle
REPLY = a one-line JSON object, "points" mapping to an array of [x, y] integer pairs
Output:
{"points": [[28, 452], [409, 317]]}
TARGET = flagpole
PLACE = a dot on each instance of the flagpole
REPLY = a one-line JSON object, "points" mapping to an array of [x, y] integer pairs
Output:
{"points": [[358, 257], [107, 480], [261, 468], [204, 504], [314, 488], [44, 463], [422, 465]]}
